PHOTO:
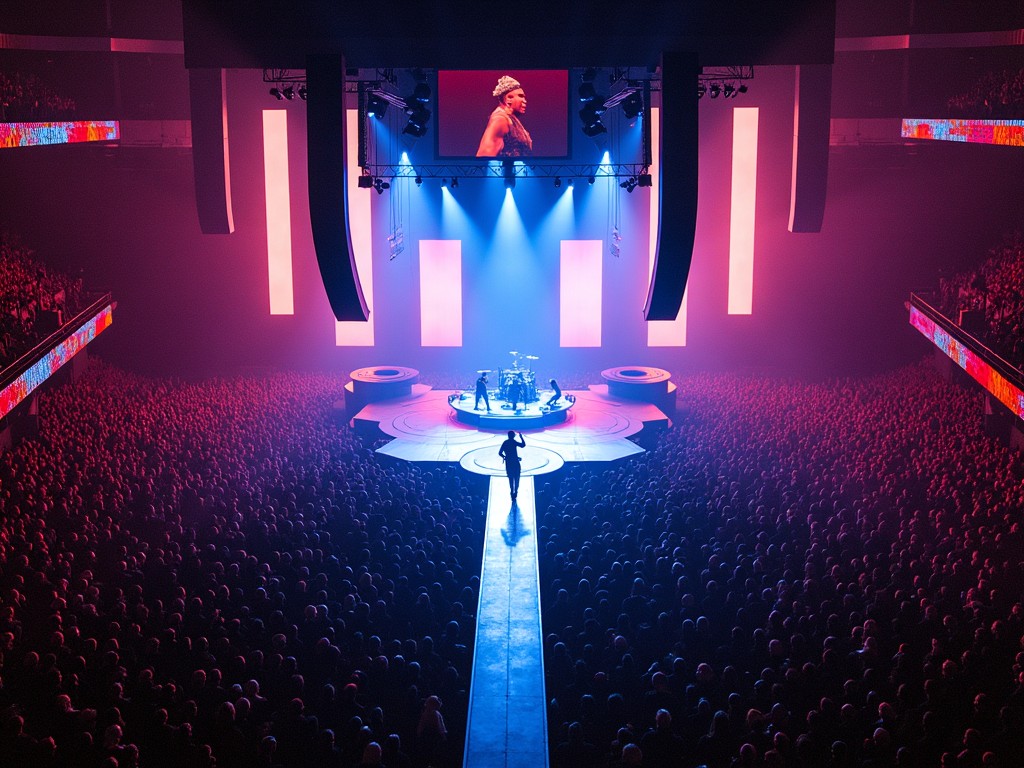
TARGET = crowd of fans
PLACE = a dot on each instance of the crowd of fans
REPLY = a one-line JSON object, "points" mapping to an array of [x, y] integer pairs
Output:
{"points": [[34, 301], [217, 574], [26, 98], [995, 95], [797, 576], [996, 291]]}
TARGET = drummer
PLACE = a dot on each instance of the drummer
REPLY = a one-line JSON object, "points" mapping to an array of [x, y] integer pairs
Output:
{"points": [[517, 391]]}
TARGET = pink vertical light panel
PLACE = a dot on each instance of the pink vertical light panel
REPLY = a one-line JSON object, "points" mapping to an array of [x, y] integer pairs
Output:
{"points": [[741, 218], [279, 225], [579, 291], [441, 293], [660, 333], [360, 224]]}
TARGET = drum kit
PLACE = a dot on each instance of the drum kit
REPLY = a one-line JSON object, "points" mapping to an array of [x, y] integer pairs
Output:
{"points": [[521, 373]]}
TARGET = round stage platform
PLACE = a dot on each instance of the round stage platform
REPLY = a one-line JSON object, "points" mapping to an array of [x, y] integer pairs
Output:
{"points": [[501, 417]]}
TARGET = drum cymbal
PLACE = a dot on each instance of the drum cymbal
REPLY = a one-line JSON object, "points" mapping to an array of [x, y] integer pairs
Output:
{"points": [[513, 352], [532, 357], [487, 370]]}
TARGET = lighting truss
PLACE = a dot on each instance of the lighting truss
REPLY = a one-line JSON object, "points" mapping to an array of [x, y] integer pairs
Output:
{"points": [[497, 171]]}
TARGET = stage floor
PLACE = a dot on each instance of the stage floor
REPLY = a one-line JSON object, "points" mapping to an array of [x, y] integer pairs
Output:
{"points": [[424, 427]]}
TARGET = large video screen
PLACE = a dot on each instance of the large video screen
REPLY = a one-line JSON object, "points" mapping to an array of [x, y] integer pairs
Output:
{"points": [[503, 113]]}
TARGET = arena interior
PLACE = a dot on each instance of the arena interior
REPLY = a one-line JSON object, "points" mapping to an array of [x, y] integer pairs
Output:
{"points": [[295, 295]]}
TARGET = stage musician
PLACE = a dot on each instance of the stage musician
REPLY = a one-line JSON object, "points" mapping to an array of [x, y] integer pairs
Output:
{"points": [[481, 392], [556, 396], [505, 134], [510, 455]]}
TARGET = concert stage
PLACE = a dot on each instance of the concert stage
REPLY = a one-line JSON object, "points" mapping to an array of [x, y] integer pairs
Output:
{"points": [[502, 418], [425, 427]]}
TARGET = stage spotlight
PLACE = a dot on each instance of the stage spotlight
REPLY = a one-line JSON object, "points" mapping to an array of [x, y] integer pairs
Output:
{"points": [[591, 180], [421, 93], [455, 181], [643, 180], [742, 89], [590, 116], [380, 185], [508, 173], [729, 90], [701, 90], [572, 183], [418, 117], [303, 93], [586, 91], [376, 106], [444, 182], [558, 182], [365, 181], [419, 181], [714, 90], [629, 184], [289, 93], [633, 106], [276, 93]]}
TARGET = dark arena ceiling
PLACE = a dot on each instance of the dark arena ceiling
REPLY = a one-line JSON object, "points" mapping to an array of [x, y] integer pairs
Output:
{"points": [[468, 34]]}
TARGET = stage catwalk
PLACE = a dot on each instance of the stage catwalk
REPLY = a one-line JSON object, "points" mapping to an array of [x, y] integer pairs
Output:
{"points": [[507, 723]]}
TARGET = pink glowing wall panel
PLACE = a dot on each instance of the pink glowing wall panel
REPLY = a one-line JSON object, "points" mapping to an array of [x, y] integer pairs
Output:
{"points": [[279, 219], [579, 291], [1006, 132], [441, 293], [660, 333], [48, 364], [37, 134], [1006, 392], [741, 217]]}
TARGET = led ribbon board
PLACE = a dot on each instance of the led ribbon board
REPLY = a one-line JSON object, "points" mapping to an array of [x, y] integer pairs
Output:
{"points": [[38, 134], [983, 373], [49, 363], [1009, 133]]}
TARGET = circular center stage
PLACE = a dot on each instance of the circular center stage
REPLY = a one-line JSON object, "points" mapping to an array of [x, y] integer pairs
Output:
{"points": [[501, 416]]}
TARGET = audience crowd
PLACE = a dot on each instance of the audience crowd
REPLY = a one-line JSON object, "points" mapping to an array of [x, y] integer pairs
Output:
{"points": [[994, 290], [995, 95], [797, 576], [218, 574], [34, 301], [25, 98]]}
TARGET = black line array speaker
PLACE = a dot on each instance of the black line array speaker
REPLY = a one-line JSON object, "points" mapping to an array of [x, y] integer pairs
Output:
{"points": [[812, 117], [326, 137], [677, 203], [207, 90]]}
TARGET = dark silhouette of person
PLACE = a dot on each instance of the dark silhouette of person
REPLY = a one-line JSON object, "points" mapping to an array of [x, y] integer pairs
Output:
{"points": [[510, 455], [516, 391], [481, 391], [556, 396]]}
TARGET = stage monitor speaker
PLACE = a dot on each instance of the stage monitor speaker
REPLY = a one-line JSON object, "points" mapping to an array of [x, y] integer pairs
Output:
{"points": [[677, 204], [812, 117], [326, 139], [207, 90]]}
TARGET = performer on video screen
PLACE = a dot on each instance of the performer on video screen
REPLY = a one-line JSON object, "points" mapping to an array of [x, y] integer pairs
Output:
{"points": [[481, 392], [556, 396], [510, 455], [505, 134]]}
